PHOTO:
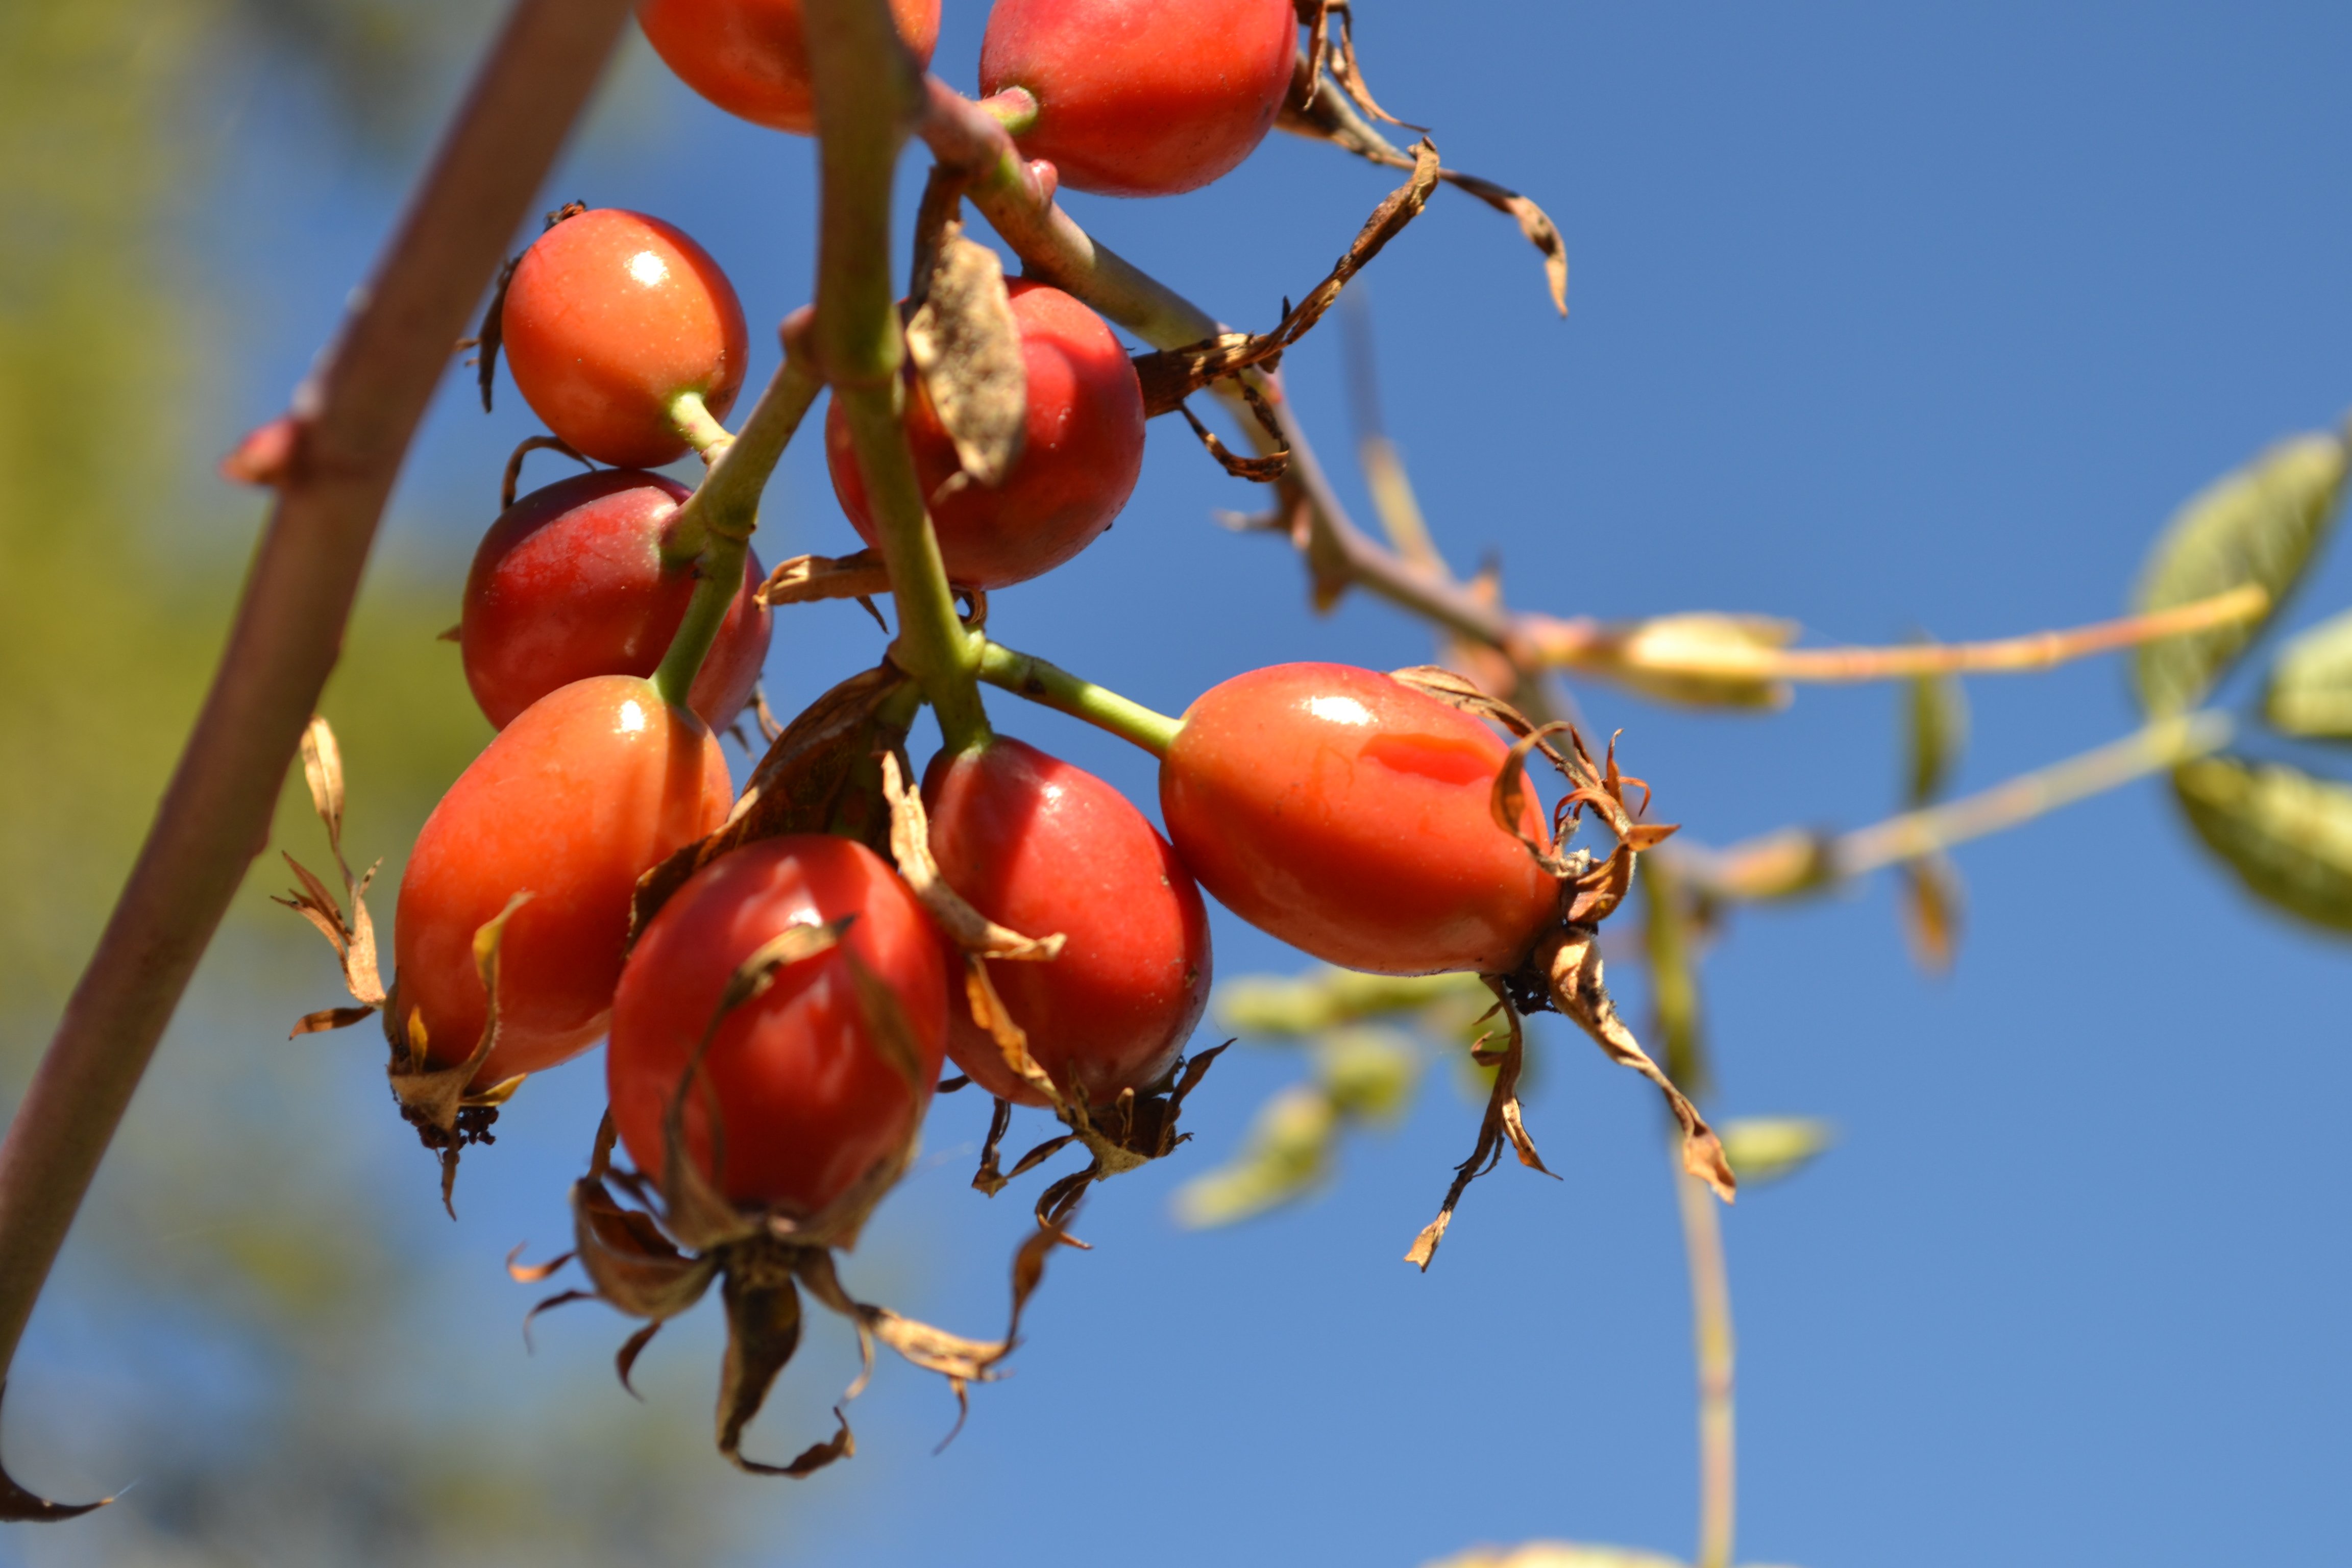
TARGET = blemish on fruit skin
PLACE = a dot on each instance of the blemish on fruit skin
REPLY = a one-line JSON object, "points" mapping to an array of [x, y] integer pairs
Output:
{"points": [[1446, 759]]}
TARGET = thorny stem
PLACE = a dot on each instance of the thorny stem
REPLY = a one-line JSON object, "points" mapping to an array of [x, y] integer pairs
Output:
{"points": [[357, 414], [716, 522], [1711, 1332], [869, 95], [1047, 684], [1790, 861]]}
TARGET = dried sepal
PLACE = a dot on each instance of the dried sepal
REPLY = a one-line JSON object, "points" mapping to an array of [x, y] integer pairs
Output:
{"points": [[441, 1103], [966, 347], [1339, 58], [1931, 904], [809, 782], [1263, 470], [809, 579], [513, 478], [1569, 962], [910, 846], [1502, 1124], [344, 922], [1173, 374], [763, 1328]]}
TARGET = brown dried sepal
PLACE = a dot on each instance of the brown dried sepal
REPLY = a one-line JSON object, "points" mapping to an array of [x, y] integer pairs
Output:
{"points": [[807, 579], [816, 777], [1569, 964], [492, 335], [1502, 1124], [656, 1260], [1173, 374], [442, 1103], [1325, 117], [524, 448], [351, 934], [966, 347]]}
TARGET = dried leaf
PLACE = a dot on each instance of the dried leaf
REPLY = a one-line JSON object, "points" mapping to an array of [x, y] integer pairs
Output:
{"points": [[2261, 524], [1172, 376], [966, 347], [2311, 686], [1571, 963], [1325, 117], [2287, 834], [1769, 1148]]}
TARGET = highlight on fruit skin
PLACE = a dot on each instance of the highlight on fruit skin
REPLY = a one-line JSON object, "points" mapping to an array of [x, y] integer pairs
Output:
{"points": [[1351, 815], [609, 321], [574, 581], [750, 57], [1038, 844], [1142, 98]]}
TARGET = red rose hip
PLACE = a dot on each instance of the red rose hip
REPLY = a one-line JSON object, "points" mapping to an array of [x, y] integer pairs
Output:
{"points": [[610, 319], [807, 1099], [1143, 98], [1349, 815], [1082, 452], [1042, 846], [591, 788], [750, 57], [573, 581]]}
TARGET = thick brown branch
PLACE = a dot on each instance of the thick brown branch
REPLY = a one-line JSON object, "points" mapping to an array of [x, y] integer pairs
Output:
{"points": [[353, 420]]}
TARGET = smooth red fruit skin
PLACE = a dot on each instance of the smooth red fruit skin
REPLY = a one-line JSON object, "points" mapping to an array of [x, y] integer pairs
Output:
{"points": [[1348, 815], [1042, 846], [569, 582], [1082, 455], [1143, 98], [592, 787], [608, 318], [809, 1102], [750, 58]]}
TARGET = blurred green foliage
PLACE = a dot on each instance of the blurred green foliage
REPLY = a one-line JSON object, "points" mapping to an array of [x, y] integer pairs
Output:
{"points": [[236, 1221]]}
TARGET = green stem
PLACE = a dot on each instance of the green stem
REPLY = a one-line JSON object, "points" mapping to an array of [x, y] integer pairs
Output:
{"points": [[1026, 675], [869, 92], [694, 421], [714, 527]]}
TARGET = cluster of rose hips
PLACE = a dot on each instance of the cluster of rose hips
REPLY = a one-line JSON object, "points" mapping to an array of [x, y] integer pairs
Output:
{"points": [[1355, 816]]}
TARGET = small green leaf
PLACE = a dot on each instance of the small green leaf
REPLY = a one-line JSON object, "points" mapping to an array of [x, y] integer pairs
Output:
{"points": [[2261, 524], [2311, 686], [1368, 1072], [1286, 1155], [1766, 1148], [2288, 836], [1936, 729], [1323, 998]]}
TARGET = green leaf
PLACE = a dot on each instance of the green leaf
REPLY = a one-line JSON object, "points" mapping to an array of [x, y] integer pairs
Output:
{"points": [[1286, 1155], [2311, 685], [1766, 1148], [1936, 731], [2288, 836], [1322, 998], [1368, 1072], [2261, 524]]}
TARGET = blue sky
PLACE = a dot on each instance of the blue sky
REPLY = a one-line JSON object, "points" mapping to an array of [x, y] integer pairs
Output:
{"points": [[1882, 319]]}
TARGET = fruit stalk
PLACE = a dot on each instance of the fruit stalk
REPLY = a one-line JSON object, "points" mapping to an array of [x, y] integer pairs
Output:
{"points": [[1053, 686], [869, 95], [717, 522], [354, 417]]}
